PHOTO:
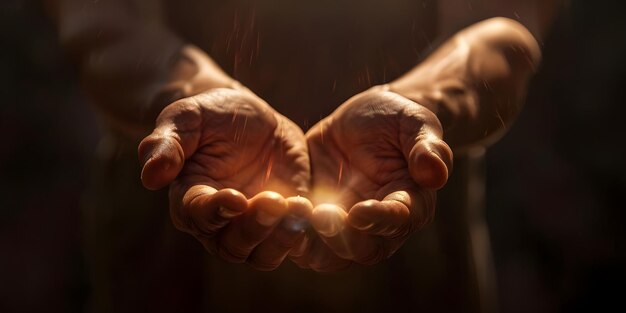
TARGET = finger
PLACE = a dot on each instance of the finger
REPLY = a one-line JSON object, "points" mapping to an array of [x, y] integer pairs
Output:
{"points": [[269, 254], [395, 217], [243, 234], [298, 254], [210, 210], [202, 211], [429, 158], [388, 218], [176, 136], [429, 162], [313, 253], [330, 221]]}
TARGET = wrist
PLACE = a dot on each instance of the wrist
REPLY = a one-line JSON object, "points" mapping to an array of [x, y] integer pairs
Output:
{"points": [[191, 72], [476, 81]]}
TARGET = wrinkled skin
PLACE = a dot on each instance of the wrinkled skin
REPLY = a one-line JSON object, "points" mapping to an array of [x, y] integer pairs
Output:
{"points": [[376, 163], [231, 161]]}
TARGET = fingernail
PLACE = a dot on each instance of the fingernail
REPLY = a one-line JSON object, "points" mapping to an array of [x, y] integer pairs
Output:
{"points": [[265, 218], [227, 213]]}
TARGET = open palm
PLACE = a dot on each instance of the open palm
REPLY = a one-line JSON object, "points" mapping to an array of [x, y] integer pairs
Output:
{"points": [[376, 163], [232, 161]]}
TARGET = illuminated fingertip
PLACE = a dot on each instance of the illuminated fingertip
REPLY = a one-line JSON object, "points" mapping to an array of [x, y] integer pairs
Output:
{"points": [[269, 195], [299, 201], [270, 198], [299, 206], [230, 202], [328, 219]]}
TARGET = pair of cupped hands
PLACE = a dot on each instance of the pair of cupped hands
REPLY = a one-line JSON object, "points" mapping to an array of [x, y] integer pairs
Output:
{"points": [[253, 188]]}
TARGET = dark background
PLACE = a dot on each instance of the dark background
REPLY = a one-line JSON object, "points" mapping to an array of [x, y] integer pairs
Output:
{"points": [[555, 182]]}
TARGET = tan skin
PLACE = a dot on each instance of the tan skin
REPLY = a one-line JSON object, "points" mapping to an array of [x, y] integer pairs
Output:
{"points": [[370, 160], [213, 139], [370, 169], [390, 150], [223, 151]]}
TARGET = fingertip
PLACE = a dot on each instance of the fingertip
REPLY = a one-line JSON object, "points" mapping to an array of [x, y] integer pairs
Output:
{"points": [[300, 206], [379, 218], [231, 202], [270, 199], [328, 219], [299, 213], [270, 207], [429, 165], [362, 215]]}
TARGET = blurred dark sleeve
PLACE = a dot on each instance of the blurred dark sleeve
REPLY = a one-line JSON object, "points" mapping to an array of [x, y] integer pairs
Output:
{"points": [[129, 62]]}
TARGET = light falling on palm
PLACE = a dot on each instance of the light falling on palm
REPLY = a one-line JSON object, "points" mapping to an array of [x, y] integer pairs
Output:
{"points": [[376, 163], [232, 161]]}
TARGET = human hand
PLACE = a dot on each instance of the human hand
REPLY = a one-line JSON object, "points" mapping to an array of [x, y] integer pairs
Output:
{"points": [[475, 82], [376, 163], [222, 150]]}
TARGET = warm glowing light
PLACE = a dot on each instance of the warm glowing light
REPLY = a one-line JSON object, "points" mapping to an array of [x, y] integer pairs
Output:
{"points": [[268, 172], [232, 122], [324, 195], [340, 173]]}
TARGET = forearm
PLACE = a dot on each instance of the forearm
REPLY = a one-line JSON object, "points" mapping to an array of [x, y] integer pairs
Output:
{"points": [[475, 82], [535, 15], [131, 65], [133, 79]]}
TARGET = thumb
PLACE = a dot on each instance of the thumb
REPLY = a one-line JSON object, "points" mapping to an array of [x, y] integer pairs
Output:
{"points": [[429, 161], [429, 158], [162, 154]]}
